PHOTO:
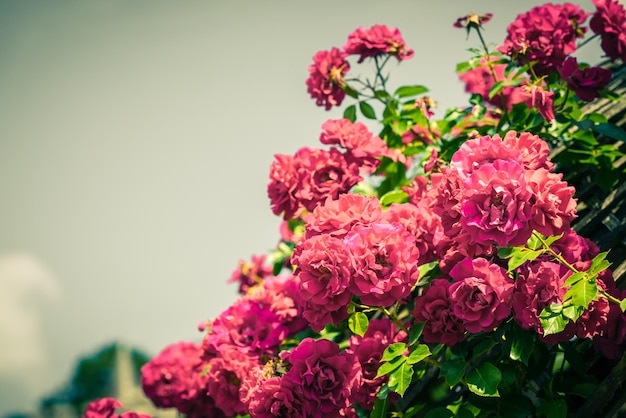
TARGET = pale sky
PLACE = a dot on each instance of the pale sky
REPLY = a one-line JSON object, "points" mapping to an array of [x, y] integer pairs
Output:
{"points": [[135, 143]]}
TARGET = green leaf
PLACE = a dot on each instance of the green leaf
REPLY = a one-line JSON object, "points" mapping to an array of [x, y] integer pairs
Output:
{"points": [[521, 345], [611, 130], [552, 319], [453, 370], [394, 196], [400, 378], [350, 91], [416, 329], [390, 366], [521, 255], [497, 87], [380, 408], [367, 110], [350, 113], [582, 293], [484, 380], [599, 263], [622, 305], [418, 354], [381, 94], [574, 278], [392, 351], [440, 412], [408, 91], [358, 322], [556, 408]]}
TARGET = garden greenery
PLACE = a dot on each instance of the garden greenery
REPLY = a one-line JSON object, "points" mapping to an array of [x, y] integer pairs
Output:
{"points": [[428, 270]]}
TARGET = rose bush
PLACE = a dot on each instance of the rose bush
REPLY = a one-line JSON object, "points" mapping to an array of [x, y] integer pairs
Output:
{"points": [[430, 269]]}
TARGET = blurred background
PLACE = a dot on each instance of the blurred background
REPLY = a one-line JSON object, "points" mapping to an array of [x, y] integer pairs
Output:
{"points": [[135, 145]]}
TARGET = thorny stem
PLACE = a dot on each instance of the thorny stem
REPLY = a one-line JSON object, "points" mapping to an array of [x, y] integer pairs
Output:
{"points": [[394, 319]]}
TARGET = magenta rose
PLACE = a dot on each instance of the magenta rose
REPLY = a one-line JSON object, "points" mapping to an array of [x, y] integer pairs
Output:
{"points": [[326, 77], [609, 21], [553, 203], [544, 35], [586, 82], [323, 378], [174, 377], [481, 295], [434, 307], [536, 97]]}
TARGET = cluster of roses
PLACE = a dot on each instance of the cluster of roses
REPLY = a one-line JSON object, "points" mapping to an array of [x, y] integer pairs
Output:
{"points": [[302, 181], [327, 74], [544, 39]]}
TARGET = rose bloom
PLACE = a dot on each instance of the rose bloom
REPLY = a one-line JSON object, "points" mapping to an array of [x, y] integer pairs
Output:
{"points": [[246, 326], [538, 285], [362, 147], [609, 21], [105, 408], [323, 378], [174, 377], [338, 217], [480, 80], [377, 40], [495, 208], [275, 397], [553, 203], [226, 374], [475, 153], [434, 307], [369, 350], [586, 82], [481, 295], [533, 150], [326, 77], [536, 97], [249, 274], [422, 223], [545, 35], [307, 179], [472, 20], [384, 261]]}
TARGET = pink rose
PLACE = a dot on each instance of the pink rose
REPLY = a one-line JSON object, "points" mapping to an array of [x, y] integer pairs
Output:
{"points": [[326, 77], [495, 208], [553, 203], [377, 40], [384, 261], [338, 217], [542, 100], [481, 295]]}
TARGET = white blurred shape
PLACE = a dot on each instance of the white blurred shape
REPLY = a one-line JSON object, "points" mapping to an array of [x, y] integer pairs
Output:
{"points": [[25, 283]]}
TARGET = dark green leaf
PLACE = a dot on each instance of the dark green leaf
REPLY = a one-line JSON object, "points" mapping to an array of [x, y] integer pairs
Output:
{"points": [[611, 130], [416, 329], [381, 94], [556, 408], [484, 380], [393, 350], [439, 412], [380, 408], [453, 370], [400, 378], [358, 322], [418, 354], [521, 345], [350, 113], [367, 110], [408, 91]]}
